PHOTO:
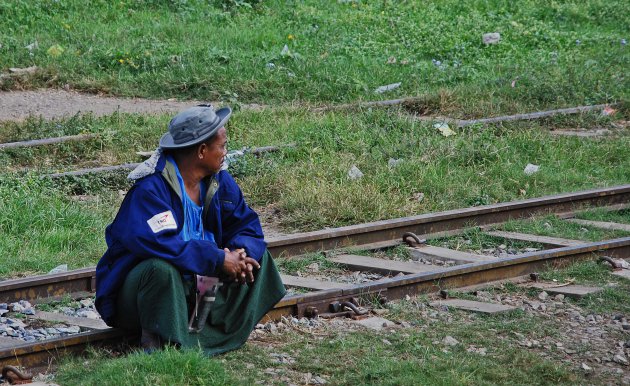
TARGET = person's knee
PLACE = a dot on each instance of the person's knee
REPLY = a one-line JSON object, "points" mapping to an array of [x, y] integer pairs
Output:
{"points": [[159, 272]]}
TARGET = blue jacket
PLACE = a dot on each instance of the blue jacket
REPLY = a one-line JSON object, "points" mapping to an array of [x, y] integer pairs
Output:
{"points": [[148, 224]]}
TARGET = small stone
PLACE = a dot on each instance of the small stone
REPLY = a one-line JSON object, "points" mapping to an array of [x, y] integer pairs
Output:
{"points": [[59, 269], [314, 267], [543, 295], [87, 302], [491, 38], [271, 327], [620, 359], [625, 326], [29, 311], [586, 367], [88, 314], [559, 297], [354, 173], [16, 307], [387, 342], [450, 341], [316, 380]]}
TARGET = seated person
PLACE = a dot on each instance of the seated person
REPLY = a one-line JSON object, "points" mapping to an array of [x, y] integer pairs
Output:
{"points": [[183, 217]]}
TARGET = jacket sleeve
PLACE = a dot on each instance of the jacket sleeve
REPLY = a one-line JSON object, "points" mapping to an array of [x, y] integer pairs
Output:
{"points": [[146, 225], [241, 225]]}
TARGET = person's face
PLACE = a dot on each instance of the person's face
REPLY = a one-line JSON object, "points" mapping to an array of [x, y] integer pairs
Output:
{"points": [[214, 152]]}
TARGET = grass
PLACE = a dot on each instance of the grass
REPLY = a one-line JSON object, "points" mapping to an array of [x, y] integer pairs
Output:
{"points": [[557, 54], [403, 357], [555, 227], [293, 265], [615, 297], [307, 185], [622, 216], [166, 367], [42, 228], [476, 239]]}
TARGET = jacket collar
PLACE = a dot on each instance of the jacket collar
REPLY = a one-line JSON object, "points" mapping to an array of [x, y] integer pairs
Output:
{"points": [[167, 169]]}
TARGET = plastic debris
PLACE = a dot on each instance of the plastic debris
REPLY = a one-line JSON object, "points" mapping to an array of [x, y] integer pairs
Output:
{"points": [[26, 70], [531, 169], [418, 196], [285, 51], [355, 173], [491, 38], [59, 269], [33, 46], [392, 163], [607, 111], [623, 42], [270, 65], [55, 50], [444, 129], [388, 87]]}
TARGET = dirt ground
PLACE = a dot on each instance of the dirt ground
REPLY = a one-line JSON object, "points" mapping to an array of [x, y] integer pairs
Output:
{"points": [[51, 103]]}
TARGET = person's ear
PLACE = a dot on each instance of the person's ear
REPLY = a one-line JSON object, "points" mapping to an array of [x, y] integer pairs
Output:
{"points": [[200, 150]]}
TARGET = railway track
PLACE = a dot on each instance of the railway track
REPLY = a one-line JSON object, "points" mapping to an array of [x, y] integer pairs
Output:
{"points": [[412, 279]]}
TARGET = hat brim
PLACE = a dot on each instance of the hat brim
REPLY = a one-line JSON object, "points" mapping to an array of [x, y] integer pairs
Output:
{"points": [[167, 142]]}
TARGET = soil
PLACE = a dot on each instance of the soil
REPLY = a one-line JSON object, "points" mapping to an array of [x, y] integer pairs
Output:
{"points": [[52, 103]]}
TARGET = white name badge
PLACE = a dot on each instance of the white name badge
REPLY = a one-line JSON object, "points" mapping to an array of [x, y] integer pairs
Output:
{"points": [[161, 221]]}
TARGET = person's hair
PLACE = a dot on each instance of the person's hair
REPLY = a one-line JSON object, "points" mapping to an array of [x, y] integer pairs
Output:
{"points": [[188, 151]]}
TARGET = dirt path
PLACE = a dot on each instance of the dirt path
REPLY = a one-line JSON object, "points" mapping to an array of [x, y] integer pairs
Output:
{"points": [[51, 103]]}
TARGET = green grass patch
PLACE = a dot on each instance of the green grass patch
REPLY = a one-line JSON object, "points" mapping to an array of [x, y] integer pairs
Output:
{"points": [[555, 227], [294, 265], [475, 239], [165, 367], [621, 216], [42, 228], [556, 54], [615, 298]]}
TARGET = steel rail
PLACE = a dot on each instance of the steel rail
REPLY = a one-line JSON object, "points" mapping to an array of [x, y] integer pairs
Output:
{"points": [[456, 276], [38, 354], [387, 230]]}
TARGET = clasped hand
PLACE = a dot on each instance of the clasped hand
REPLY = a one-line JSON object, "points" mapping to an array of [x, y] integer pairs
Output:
{"points": [[238, 266]]}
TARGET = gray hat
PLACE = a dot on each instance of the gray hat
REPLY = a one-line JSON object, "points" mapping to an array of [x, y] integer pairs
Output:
{"points": [[193, 126]]}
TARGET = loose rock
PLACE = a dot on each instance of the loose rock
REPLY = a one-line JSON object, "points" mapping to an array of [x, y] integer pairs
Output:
{"points": [[491, 38], [450, 341]]}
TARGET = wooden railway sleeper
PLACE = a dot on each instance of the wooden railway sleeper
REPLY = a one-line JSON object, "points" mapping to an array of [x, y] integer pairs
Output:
{"points": [[15, 376]]}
